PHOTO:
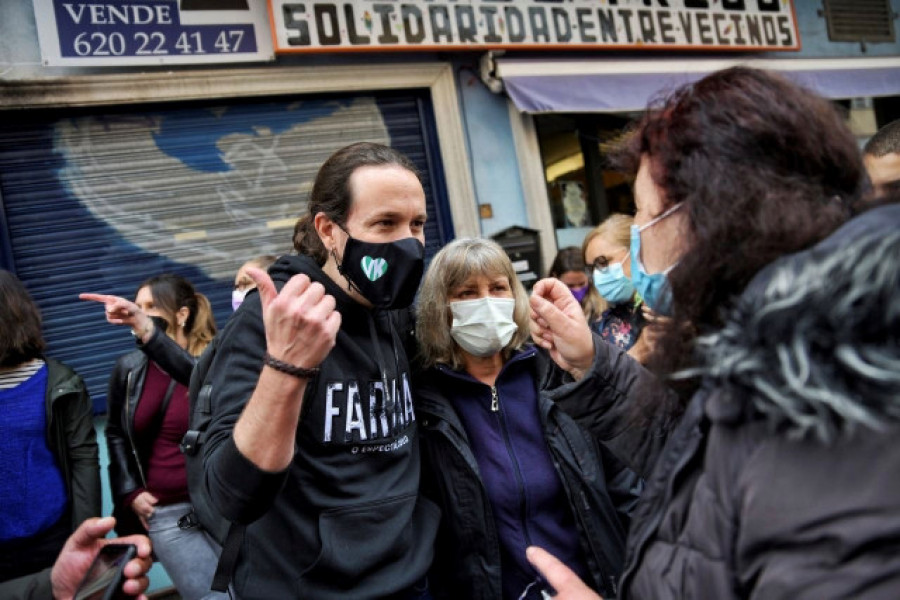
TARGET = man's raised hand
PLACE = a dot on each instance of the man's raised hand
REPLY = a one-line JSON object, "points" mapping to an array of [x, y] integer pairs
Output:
{"points": [[301, 321]]}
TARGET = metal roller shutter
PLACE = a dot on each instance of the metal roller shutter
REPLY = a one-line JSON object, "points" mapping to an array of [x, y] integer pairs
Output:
{"points": [[100, 201]]}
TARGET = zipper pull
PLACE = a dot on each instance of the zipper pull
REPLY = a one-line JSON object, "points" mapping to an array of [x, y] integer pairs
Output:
{"points": [[495, 400]]}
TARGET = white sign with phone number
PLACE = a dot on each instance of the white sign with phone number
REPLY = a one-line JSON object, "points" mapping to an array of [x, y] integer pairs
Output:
{"points": [[152, 32]]}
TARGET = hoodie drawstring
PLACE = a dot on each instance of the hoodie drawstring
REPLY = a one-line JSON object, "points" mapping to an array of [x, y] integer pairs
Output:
{"points": [[379, 358]]}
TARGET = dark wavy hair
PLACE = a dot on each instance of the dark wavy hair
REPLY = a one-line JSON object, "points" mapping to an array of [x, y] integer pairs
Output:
{"points": [[21, 338], [331, 192], [764, 168], [567, 259]]}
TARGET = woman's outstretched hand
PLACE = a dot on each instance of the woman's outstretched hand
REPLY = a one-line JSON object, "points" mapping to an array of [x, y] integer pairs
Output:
{"points": [[120, 311]]}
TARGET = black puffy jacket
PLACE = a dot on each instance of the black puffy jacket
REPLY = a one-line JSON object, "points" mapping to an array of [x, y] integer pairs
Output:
{"points": [[600, 490], [782, 478], [71, 437]]}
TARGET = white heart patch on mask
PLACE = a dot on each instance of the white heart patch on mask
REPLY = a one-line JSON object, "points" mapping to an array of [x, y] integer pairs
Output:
{"points": [[374, 268]]}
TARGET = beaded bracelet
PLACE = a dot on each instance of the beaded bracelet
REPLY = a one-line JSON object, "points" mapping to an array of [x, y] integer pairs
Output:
{"points": [[280, 365]]}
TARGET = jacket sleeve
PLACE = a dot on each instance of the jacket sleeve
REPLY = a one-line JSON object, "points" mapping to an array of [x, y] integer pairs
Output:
{"points": [[814, 520], [615, 402], [36, 586], [123, 475], [84, 462], [623, 485], [172, 358], [235, 486]]}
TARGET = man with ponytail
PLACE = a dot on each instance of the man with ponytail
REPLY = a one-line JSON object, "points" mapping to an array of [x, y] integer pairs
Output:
{"points": [[312, 441]]}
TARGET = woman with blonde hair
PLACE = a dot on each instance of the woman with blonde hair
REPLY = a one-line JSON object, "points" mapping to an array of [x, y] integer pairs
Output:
{"points": [[148, 413], [606, 253], [507, 467]]}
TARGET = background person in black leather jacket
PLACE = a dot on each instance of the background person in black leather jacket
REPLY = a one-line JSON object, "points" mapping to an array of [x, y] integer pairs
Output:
{"points": [[148, 416], [508, 468]]}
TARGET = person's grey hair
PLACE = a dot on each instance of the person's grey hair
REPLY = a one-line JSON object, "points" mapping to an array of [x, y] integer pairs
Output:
{"points": [[450, 268]]}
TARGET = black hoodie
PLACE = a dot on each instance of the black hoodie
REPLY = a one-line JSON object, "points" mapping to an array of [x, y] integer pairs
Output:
{"points": [[344, 520]]}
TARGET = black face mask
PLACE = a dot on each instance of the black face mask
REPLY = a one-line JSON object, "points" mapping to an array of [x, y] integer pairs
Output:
{"points": [[160, 323], [385, 274]]}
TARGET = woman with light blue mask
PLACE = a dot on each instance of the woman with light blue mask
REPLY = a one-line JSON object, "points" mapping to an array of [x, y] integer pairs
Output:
{"points": [[652, 287], [606, 253]]}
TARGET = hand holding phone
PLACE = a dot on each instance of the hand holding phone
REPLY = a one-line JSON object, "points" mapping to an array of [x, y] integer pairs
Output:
{"points": [[104, 579]]}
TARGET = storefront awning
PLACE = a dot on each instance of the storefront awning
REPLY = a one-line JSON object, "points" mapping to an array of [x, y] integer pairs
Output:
{"points": [[608, 85]]}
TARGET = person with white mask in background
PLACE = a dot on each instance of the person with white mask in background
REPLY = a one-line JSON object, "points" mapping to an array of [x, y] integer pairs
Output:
{"points": [[481, 404], [243, 283]]}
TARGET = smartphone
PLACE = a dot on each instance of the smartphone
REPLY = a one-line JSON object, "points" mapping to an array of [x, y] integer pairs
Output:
{"points": [[104, 579]]}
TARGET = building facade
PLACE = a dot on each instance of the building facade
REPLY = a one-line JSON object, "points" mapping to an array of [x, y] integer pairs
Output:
{"points": [[144, 136]]}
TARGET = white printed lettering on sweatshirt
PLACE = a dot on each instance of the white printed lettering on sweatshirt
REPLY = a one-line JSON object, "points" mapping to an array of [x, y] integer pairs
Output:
{"points": [[372, 416]]}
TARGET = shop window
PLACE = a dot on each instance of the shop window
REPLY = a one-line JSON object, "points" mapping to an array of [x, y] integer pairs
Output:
{"points": [[865, 116], [582, 188]]}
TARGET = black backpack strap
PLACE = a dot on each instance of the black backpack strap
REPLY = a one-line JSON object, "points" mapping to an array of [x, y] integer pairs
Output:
{"points": [[168, 397], [227, 560], [160, 415]]}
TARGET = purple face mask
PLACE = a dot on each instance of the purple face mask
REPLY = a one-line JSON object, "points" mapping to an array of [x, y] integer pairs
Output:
{"points": [[579, 293]]}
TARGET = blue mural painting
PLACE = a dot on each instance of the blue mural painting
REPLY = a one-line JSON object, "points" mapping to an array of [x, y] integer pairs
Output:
{"points": [[100, 202]]}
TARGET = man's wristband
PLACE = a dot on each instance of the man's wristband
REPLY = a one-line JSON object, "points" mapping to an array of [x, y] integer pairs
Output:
{"points": [[280, 365]]}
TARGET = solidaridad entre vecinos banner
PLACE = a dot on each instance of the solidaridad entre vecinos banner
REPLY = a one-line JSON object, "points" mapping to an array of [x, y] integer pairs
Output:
{"points": [[410, 25]]}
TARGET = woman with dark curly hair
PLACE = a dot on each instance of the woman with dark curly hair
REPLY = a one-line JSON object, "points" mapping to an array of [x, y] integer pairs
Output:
{"points": [[775, 472]]}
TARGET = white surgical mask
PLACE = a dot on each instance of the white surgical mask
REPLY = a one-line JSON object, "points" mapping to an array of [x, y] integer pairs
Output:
{"points": [[484, 326], [237, 297]]}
